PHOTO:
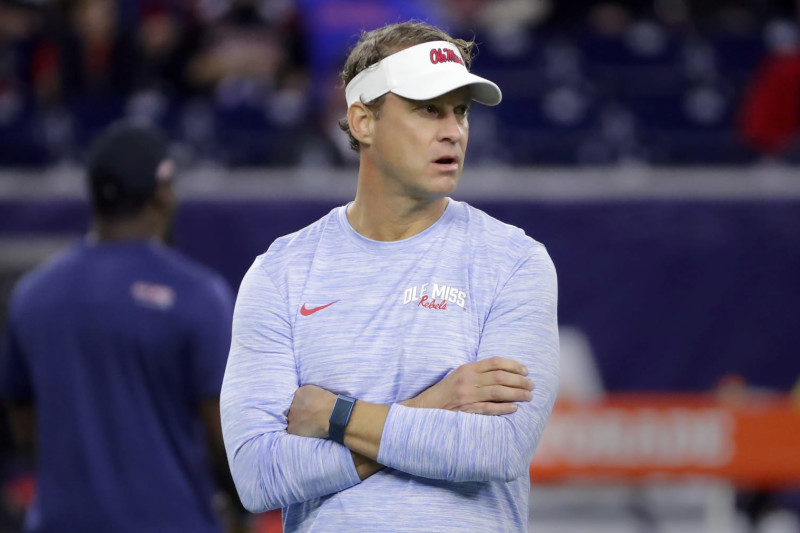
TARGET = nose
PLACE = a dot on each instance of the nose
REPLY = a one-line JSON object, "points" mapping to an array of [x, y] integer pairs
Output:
{"points": [[452, 127]]}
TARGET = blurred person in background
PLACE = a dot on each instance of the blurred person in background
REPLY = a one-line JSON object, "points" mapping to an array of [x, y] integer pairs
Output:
{"points": [[113, 358], [167, 38], [94, 52], [249, 43], [769, 118], [251, 68], [83, 69], [424, 314], [20, 27]]}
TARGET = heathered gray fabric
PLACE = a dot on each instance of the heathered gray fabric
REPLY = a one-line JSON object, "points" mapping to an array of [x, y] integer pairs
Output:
{"points": [[385, 340]]}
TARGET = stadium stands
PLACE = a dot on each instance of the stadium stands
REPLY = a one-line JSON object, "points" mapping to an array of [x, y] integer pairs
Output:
{"points": [[612, 88]]}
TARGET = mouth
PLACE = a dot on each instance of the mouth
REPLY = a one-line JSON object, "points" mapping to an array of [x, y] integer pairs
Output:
{"points": [[447, 163]]}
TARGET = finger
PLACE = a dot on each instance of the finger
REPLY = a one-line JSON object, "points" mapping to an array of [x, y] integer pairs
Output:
{"points": [[491, 408], [501, 363], [501, 393], [504, 377]]}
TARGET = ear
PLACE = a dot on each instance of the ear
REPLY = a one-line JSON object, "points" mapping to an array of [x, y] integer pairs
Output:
{"points": [[361, 121], [164, 198]]}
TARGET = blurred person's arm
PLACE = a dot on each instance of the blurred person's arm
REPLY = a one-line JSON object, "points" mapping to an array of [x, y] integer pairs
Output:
{"points": [[16, 388], [22, 421], [235, 516], [454, 445], [210, 340]]}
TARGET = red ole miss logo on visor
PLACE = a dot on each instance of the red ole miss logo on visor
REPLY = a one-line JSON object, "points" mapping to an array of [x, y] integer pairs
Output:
{"points": [[445, 55]]}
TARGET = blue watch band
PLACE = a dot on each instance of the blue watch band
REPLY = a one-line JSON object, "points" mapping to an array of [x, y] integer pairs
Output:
{"points": [[340, 416]]}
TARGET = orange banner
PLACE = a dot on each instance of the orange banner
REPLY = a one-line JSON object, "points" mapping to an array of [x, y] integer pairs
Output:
{"points": [[754, 442]]}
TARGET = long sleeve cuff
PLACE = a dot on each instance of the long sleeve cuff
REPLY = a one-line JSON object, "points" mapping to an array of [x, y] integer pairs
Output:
{"points": [[421, 442]]}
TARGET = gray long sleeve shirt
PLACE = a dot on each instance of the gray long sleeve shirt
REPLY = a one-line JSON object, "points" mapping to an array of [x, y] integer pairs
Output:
{"points": [[382, 321]]}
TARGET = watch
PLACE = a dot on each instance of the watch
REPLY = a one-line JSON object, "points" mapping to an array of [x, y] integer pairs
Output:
{"points": [[340, 416]]}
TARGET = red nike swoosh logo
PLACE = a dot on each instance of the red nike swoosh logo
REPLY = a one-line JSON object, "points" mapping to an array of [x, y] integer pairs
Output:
{"points": [[305, 311]]}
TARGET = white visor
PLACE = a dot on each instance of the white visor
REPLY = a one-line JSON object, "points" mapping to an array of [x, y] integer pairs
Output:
{"points": [[422, 72]]}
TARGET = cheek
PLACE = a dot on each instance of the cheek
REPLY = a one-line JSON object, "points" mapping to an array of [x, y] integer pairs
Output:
{"points": [[405, 143]]}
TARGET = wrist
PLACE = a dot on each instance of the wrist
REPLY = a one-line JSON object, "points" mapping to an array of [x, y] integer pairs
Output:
{"points": [[325, 414], [340, 417], [411, 402]]}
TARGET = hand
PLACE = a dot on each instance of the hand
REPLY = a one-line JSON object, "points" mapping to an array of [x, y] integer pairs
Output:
{"points": [[235, 519], [310, 411], [236, 527], [308, 417], [487, 387], [365, 466]]}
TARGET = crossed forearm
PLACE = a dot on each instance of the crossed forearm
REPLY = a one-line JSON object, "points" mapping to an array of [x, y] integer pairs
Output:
{"points": [[310, 411], [485, 387]]}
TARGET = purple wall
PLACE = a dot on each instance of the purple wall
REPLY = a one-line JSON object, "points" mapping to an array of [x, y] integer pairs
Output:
{"points": [[672, 294]]}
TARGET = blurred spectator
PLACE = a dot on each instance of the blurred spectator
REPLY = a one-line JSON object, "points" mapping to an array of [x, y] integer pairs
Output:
{"points": [[112, 362], [252, 65], [770, 112], [20, 24], [83, 69], [248, 43], [506, 25], [95, 53], [253, 82], [167, 37], [166, 40], [565, 14], [332, 27]]}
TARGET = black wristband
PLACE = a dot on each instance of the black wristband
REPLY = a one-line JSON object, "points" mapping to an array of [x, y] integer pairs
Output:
{"points": [[340, 416]]}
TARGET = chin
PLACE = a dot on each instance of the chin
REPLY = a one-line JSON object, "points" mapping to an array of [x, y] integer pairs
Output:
{"points": [[446, 184], [436, 186], [431, 193]]}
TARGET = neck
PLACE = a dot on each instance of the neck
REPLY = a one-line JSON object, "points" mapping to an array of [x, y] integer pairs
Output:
{"points": [[138, 227], [383, 215]]}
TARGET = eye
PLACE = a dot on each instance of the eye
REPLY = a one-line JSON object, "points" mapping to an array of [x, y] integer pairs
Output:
{"points": [[462, 110], [430, 109]]}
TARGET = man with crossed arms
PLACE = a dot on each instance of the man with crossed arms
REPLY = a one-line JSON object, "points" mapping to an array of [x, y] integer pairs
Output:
{"points": [[400, 303]]}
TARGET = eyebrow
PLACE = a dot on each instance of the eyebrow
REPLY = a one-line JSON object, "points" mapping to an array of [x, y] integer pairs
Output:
{"points": [[438, 101]]}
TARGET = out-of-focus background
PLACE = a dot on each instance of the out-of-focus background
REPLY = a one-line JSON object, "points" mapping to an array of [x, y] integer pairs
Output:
{"points": [[652, 145]]}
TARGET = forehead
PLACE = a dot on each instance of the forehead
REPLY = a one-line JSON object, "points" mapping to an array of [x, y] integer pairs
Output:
{"points": [[455, 97]]}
